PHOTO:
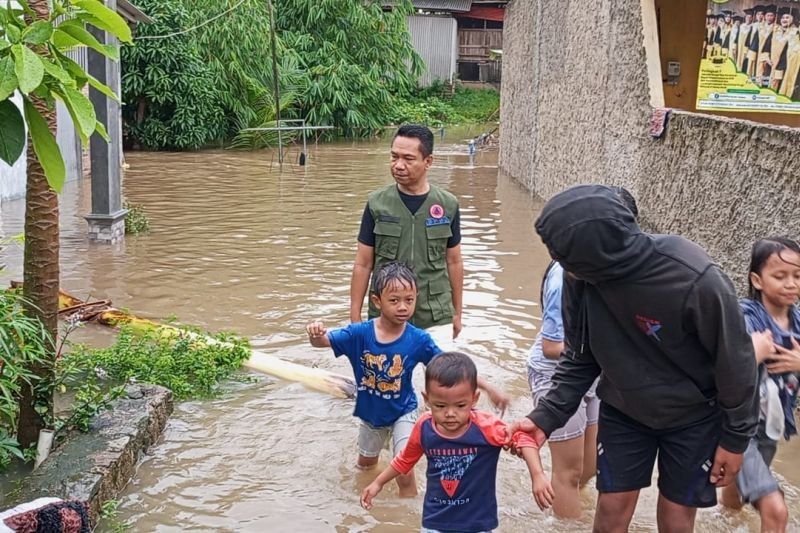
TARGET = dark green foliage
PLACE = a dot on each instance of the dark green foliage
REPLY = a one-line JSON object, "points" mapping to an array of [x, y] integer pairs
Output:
{"points": [[476, 105], [356, 57], [23, 343], [171, 95], [429, 106], [237, 48], [190, 368], [342, 63]]}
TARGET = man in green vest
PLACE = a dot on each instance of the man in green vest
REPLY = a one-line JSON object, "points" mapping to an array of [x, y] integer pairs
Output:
{"points": [[418, 223]]}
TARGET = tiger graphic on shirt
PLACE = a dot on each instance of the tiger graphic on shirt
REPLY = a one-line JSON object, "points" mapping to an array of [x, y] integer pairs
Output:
{"points": [[383, 374]]}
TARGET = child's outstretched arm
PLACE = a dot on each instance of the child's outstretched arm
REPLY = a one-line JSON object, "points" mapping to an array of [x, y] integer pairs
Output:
{"points": [[542, 490], [376, 486], [318, 335], [498, 433], [499, 399], [403, 463]]}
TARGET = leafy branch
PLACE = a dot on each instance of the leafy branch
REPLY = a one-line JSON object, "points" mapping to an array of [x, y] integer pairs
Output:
{"points": [[33, 61]]}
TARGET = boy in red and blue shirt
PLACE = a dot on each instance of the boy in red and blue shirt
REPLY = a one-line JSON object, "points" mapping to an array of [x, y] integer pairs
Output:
{"points": [[462, 446], [383, 353]]}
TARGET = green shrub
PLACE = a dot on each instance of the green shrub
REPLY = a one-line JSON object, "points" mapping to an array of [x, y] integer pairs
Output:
{"points": [[429, 106], [171, 95], [136, 220], [432, 112], [476, 105], [190, 368], [23, 342]]}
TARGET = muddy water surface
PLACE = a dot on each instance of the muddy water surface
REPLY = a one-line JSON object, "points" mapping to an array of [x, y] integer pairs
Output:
{"points": [[237, 244]]}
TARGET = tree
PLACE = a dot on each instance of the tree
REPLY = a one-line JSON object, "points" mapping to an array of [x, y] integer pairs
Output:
{"points": [[342, 63], [356, 55], [172, 95], [33, 62]]}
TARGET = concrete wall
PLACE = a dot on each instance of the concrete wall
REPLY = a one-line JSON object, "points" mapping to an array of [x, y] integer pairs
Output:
{"points": [[435, 38], [13, 178], [576, 107]]}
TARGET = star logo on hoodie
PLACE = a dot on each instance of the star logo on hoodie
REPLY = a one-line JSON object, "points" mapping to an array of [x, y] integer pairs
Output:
{"points": [[649, 326]]}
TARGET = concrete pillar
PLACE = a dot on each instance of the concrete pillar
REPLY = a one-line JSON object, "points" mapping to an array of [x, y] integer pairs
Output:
{"points": [[107, 219]]}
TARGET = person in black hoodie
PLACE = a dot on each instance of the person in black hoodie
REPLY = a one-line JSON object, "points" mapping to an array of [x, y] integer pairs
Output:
{"points": [[660, 324]]}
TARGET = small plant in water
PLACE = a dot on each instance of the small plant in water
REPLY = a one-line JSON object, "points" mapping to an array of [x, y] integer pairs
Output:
{"points": [[109, 514], [186, 365], [136, 220]]}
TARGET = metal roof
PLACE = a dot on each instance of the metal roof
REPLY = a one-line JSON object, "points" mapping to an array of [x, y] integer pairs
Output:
{"points": [[131, 13], [455, 6]]}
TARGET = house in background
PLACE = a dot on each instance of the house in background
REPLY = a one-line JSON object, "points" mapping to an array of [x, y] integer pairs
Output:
{"points": [[458, 39], [480, 42]]}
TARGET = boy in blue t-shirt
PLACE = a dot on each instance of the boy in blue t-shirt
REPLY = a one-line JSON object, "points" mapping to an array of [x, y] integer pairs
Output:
{"points": [[383, 353], [462, 446]]}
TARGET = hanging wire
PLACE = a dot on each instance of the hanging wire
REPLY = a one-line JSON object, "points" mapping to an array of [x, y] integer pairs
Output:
{"points": [[187, 30]]}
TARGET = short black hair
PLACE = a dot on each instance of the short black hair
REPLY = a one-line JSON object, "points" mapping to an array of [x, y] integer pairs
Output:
{"points": [[449, 369], [762, 250], [393, 271], [419, 132]]}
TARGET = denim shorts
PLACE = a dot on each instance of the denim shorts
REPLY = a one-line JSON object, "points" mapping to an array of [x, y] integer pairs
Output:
{"points": [[755, 480], [371, 439]]}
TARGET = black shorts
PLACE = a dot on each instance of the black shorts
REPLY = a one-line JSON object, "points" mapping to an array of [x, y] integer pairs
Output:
{"points": [[627, 450]]}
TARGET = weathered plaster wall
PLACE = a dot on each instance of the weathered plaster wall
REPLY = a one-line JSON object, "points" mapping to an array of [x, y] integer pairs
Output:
{"points": [[576, 106], [94, 467]]}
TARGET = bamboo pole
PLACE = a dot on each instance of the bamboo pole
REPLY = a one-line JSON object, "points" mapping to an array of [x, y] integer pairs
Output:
{"points": [[313, 378]]}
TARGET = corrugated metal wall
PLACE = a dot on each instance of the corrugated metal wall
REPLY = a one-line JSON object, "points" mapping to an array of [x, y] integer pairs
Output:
{"points": [[436, 40]]}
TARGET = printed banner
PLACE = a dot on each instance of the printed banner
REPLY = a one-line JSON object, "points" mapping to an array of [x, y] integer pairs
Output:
{"points": [[751, 57]]}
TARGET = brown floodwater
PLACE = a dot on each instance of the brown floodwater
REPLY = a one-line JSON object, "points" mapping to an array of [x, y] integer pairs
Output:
{"points": [[238, 244]]}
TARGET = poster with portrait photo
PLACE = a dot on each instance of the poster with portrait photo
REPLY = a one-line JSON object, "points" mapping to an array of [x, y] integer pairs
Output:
{"points": [[750, 57]]}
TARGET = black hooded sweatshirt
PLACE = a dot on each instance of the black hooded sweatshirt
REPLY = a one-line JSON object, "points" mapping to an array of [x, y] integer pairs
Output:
{"points": [[651, 315]]}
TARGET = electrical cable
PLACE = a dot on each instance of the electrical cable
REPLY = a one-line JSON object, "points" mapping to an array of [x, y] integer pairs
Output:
{"points": [[187, 30]]}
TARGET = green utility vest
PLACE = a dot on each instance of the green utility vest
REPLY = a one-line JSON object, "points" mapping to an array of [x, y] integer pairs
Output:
{"points": [[421, 241]]}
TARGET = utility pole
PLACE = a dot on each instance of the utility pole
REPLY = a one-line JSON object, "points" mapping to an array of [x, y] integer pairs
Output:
{"points": [[276, 80]]}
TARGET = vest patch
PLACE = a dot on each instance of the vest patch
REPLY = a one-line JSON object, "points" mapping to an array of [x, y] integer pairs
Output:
{"points": [[388, 218], [437, 221]]}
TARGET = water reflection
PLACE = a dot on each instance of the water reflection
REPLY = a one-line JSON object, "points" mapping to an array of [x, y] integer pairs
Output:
{"points": [[238, 245]]}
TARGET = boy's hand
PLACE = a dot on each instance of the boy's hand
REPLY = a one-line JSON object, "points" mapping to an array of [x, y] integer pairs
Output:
{"points": [[542, 491], [368, 494], [499, 399], [316, 329]]}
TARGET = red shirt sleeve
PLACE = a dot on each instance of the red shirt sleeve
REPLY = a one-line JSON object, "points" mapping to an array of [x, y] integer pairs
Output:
{"points": [[496, 431], [404, 462]]}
